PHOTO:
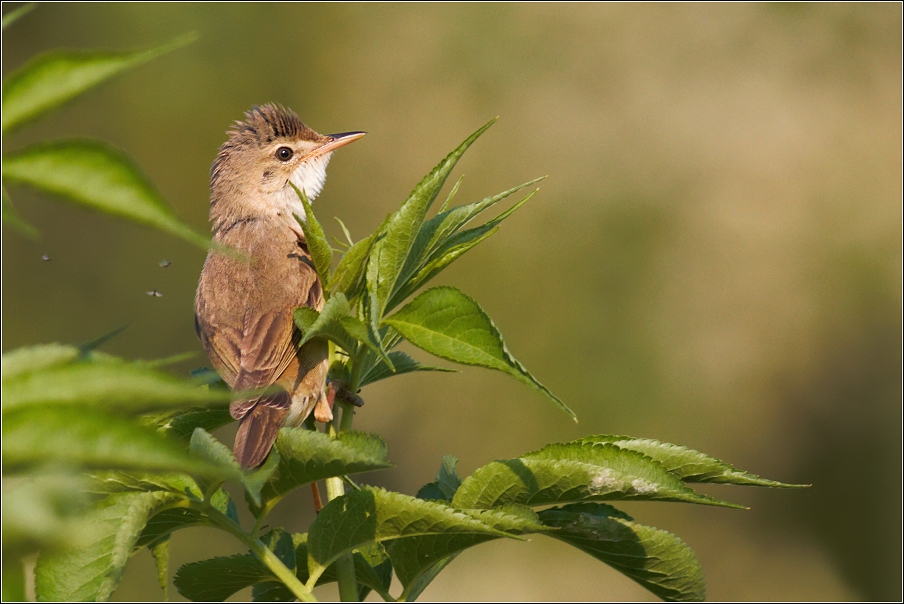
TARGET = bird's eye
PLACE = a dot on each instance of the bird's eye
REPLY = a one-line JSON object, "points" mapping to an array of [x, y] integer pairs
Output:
{"points": [[284, 154]]}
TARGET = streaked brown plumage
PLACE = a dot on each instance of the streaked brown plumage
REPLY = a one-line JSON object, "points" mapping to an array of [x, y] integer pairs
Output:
{"points": [[244, 307]]}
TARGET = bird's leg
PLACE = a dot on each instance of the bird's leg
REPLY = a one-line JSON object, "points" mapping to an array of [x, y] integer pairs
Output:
{"points": [[318, 503], [340, 390]]}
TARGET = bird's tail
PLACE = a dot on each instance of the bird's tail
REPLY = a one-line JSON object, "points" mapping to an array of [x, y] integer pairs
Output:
{"points": [[258, 429]]}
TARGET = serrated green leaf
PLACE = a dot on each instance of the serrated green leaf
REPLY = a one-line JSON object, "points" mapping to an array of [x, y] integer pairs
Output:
{"points": [[51, 79], [92, 572], [271, 591], [306, 456], [318, 246], [37, 435], [208, 449], [13, 16], [99, 176], [181, 424], [446, 479], [656, 559], [445, 322], [336, 324], [402, 363], [687, 464], [117, 481], [112, 384], [216, 579], [373, 570], [435, 234], [452, 193], [164, 523], [432, 492], [574, 472], [414, 557], [374, 515], [390, 253], [11, 218], [160, 552]]}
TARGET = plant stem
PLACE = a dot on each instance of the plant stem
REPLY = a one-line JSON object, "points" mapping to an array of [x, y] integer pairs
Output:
{"points": [[260, 550]]}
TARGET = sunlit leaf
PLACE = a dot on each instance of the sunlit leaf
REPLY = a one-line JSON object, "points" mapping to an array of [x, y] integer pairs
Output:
{"points": [[92, 572], [49, 80], [34, 358], [335, 323], [318, 246], [656, 559], [98, 176], [348, 277], [687, 464], [208, 449], [445, 322], [574, 472]]}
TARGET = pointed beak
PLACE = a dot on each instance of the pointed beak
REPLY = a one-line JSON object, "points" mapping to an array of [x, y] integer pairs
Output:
{"points": [[335, 141]]}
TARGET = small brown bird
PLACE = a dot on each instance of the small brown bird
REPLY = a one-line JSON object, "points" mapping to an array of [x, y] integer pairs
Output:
{"points": [[244, 307]]}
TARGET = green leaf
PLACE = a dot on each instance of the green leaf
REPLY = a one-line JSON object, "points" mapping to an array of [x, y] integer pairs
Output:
{"points": [[413, 558], [656, 559], [14, 15], [687, 464], [216, 454], [374, 515], [47, 375], [451, 194], [92, 572], [390, 253], [574, 472], [373, 570], [321, 252], [348, 278], [306, 456], [13, 579], [335, 323], [51, 79], [160, 552], [402, 363], [216, 579], [89, 438], [11, 218], [446, 479], [436, 232], [423, 580], [445, 322], [181, 424], [98, 176], [164, 523], [118, 481]]}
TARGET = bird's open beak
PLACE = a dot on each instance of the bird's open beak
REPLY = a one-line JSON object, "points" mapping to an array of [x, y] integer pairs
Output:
{"points": [[335, 141]]}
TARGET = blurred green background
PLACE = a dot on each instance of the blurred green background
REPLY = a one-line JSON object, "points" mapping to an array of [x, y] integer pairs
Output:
{"points": [[714, 260]]}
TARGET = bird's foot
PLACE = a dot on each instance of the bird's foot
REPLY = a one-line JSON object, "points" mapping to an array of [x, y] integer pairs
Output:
{"points": [[339, 389]]}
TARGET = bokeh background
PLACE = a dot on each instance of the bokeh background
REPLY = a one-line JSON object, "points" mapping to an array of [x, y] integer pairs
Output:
{"points": [[714, 260]]}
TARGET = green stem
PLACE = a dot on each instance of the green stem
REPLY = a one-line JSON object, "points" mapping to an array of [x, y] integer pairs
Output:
{"points": [[274, 564]]}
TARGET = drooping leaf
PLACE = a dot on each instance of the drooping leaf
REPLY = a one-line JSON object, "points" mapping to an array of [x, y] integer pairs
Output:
{"points": [[51, 79], [417, 586], [656, 559], [402, 364], [11, 218], [164, 523], [99, 176], [318, 246], [687, 464], [37, 435], [160, 552], [437, 231], [92, 572], [306, 456], [14, 15], [216, 579], [445, 322], [374, 515], [574, 472], [114, 385], [389, 254]]}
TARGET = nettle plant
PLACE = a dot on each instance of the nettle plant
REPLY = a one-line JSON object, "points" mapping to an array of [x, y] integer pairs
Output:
{"points": [[78, 421]]}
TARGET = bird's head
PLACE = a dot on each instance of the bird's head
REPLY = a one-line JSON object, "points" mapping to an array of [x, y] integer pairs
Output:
{"points": [[269, 149]]}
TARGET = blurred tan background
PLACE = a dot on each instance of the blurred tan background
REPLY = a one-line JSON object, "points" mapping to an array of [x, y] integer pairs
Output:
{"points": [[714, 260]]}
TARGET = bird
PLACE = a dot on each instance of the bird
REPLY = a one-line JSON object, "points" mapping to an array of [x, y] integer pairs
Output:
{"points": [[245, 302]]}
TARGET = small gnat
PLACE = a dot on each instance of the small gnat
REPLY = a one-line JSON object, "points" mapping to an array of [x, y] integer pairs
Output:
{"points": [[643, 487], [154, 293], [164, 263], [45, 258]]}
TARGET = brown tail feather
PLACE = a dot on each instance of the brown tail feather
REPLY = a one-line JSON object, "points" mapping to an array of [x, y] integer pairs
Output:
{"points": [[257, 433]]}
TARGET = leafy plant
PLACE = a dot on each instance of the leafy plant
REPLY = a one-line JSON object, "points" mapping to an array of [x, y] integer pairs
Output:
{"points": [[142, 444]]}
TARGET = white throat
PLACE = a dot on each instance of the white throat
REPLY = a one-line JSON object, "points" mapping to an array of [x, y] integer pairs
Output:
{"points": [[309, 177]]}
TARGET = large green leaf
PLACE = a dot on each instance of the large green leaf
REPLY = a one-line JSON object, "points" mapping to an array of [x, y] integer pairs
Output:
{"points": [[390, 253], [402, 363], [335, 323], [318, 246], [49, 80], [687, 464], [306, 456], [92, 572], [375, 515], [656, 559], [98, 176], [435, 233], [37, 435], [216, 579], [574, 472], [207, 448], [113, 384], [445, 322]]}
